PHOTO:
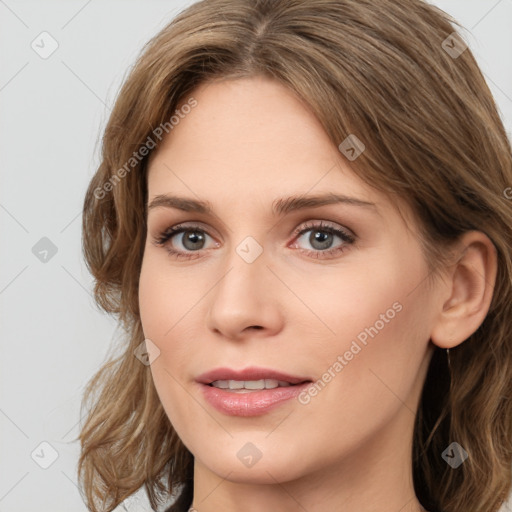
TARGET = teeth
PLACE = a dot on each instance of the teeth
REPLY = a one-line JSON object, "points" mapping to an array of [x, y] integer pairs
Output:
{"points": [[249, 384]]}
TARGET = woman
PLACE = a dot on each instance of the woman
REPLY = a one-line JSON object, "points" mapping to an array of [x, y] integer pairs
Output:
{"points": [[301, 219]]}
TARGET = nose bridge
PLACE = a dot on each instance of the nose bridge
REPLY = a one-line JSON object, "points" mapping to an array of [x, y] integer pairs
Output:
{"points": [[242, 297], [245, 277]]}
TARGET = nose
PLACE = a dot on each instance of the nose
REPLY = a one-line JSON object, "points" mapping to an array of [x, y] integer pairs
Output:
{"points": [[245, 301]]}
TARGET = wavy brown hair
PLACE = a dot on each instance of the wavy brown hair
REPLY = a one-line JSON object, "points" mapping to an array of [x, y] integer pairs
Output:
{"points": [[378, 69]]}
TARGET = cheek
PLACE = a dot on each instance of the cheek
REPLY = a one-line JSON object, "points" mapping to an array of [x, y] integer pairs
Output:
{"points": [[161, 307], [167, 301], [381, 320], [356, 300], [165, 296], [158, 308], [374, 317]]}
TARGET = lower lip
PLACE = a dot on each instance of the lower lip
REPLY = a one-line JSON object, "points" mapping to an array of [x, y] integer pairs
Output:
{"points": [[251, 403]]}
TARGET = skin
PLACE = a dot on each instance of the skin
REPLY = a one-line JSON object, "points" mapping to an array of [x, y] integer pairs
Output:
{"points": [[248, 142]]}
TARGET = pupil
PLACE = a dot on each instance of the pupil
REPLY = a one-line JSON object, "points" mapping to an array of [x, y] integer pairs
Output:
{"points": [[191, 239], [320, 239]]}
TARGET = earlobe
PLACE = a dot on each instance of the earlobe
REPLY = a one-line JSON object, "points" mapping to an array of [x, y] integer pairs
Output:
{"points": [[470, 288]]}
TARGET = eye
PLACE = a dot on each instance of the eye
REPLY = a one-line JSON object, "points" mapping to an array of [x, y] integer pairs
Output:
{"points": [[187, 238], [183, 240], [322, 238]]}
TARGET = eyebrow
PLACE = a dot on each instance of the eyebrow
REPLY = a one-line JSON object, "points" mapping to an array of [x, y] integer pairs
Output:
{"points": [[280, 206]]}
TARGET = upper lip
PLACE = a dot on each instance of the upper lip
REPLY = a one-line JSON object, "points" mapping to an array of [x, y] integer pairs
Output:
{"points": [[252, 373]]}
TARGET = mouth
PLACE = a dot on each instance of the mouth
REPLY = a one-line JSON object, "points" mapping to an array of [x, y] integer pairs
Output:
{"points": [[249, 379], [250, 392], [246, 386]]}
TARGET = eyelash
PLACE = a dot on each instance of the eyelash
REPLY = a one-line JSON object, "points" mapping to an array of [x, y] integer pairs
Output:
{"points": [[166, 235]]}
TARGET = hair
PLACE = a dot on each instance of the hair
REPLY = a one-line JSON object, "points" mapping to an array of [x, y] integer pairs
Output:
{"points": [[376, 69]]}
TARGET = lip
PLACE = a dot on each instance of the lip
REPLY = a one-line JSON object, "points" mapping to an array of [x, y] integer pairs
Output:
{"points": [[251, 373], [251, 403]]}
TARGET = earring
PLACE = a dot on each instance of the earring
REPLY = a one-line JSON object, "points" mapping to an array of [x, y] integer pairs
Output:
{"points": [[448, 357]]}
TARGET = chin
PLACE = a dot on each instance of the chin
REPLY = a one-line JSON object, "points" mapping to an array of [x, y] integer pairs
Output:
{"points": [[245, 465]]}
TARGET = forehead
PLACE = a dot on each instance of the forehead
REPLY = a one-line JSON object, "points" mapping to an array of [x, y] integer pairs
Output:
{"points": [[242, 117], [248, 141], [250, 130]]}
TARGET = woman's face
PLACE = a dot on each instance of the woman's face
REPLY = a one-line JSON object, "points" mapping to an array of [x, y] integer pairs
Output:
{"points": [[332, 292]]}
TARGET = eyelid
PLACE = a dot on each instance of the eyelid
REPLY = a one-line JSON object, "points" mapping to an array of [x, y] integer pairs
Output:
{"points": [[327, 226], [186, 225]]}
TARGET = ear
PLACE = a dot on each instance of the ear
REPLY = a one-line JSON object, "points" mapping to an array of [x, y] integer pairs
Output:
{"points": [[469, 290]]}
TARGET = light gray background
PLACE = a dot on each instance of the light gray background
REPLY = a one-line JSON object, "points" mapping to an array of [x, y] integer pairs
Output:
{"points": [[52, 113]]}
